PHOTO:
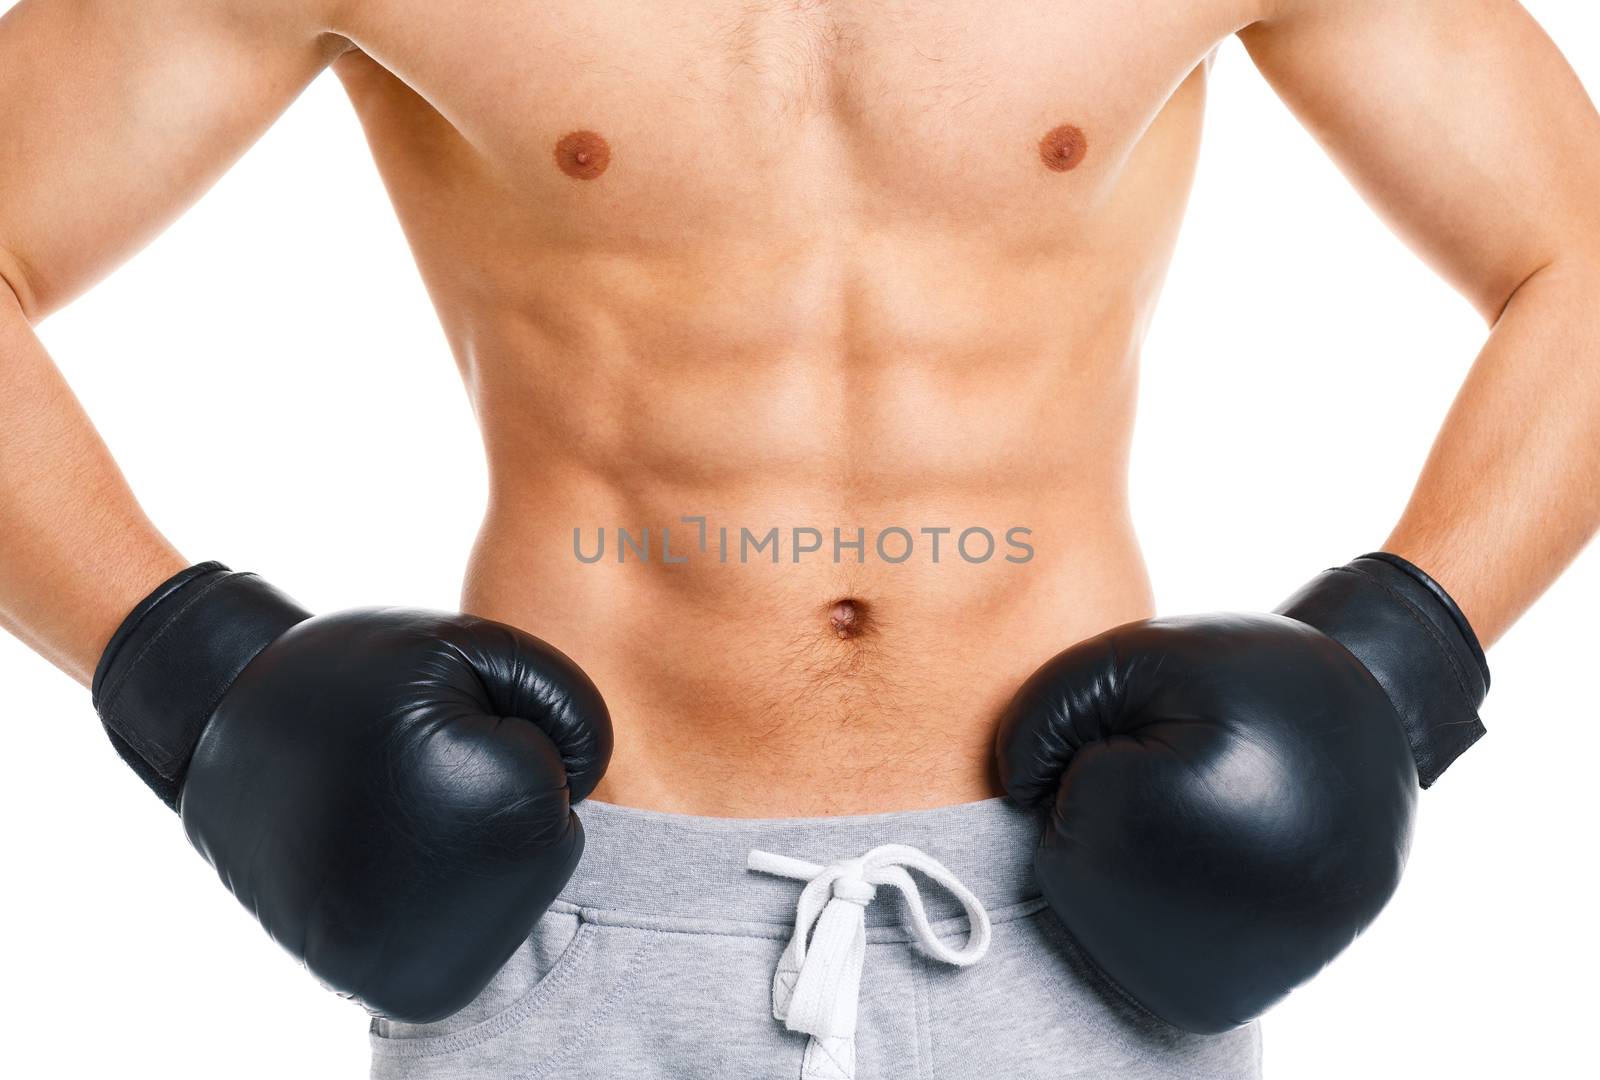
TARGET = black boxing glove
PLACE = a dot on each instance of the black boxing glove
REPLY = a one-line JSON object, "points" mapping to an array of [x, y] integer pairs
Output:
{"points": [[388, 791], [1233, 794]]}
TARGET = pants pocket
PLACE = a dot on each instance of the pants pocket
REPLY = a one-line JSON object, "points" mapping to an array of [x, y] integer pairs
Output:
{"points": [[554, 956]]}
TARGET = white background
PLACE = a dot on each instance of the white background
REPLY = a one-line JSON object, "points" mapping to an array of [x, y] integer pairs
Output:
{"points": [[271, 377]]}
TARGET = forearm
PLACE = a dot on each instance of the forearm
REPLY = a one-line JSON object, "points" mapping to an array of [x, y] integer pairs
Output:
{"points": [[1511, 491], [76, 551]]}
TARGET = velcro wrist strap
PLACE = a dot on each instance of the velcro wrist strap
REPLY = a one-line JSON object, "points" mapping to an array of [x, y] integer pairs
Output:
{"points": [[172, 659], [1410, 634]]}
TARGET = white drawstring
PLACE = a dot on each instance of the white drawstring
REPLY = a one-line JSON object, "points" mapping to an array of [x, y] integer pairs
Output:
{"points": [[817, 986]]}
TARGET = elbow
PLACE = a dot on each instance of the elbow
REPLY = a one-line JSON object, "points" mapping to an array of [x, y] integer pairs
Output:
{"points": [[14, 279], [1493, 304], [1577, 264]]}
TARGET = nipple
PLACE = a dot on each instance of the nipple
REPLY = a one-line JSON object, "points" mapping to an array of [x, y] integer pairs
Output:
{"points": [[848, 618], [582, 155], [1063, 148]]}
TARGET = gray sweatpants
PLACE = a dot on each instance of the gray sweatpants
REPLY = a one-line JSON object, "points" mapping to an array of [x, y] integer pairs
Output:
{"points": [[662, 960]]}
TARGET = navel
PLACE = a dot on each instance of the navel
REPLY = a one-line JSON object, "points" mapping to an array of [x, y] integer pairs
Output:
{"points": [[582, 155], [1064, 148], [847, 618]]}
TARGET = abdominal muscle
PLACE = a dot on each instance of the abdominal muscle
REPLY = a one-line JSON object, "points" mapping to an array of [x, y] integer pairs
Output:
{"points": [[734, 692], [852, 678]]}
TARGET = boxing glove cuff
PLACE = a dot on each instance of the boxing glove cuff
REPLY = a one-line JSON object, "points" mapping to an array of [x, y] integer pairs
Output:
{"points": [[173, 658], [1410, 634]]}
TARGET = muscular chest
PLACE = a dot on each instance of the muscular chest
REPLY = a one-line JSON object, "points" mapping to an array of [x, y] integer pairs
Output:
{"points": [[639, 118]]}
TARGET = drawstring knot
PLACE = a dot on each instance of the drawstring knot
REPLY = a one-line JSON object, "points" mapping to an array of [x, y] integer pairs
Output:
{"points": [[817, 987]]}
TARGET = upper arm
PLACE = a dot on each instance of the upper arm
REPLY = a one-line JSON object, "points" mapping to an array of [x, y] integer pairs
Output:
{"points": [[1461, 123], [115, 115]]}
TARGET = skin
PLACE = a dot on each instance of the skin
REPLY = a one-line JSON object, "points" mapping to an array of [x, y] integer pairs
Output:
{"points": [[806, 263]]}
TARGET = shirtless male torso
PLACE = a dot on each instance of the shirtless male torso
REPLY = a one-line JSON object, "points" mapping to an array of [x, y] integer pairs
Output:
{"points": [[833, 271], [801, 264], [804, 334]]}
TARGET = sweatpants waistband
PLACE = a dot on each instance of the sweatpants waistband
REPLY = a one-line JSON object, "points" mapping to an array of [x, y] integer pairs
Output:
{"points": [[645, 863]]}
